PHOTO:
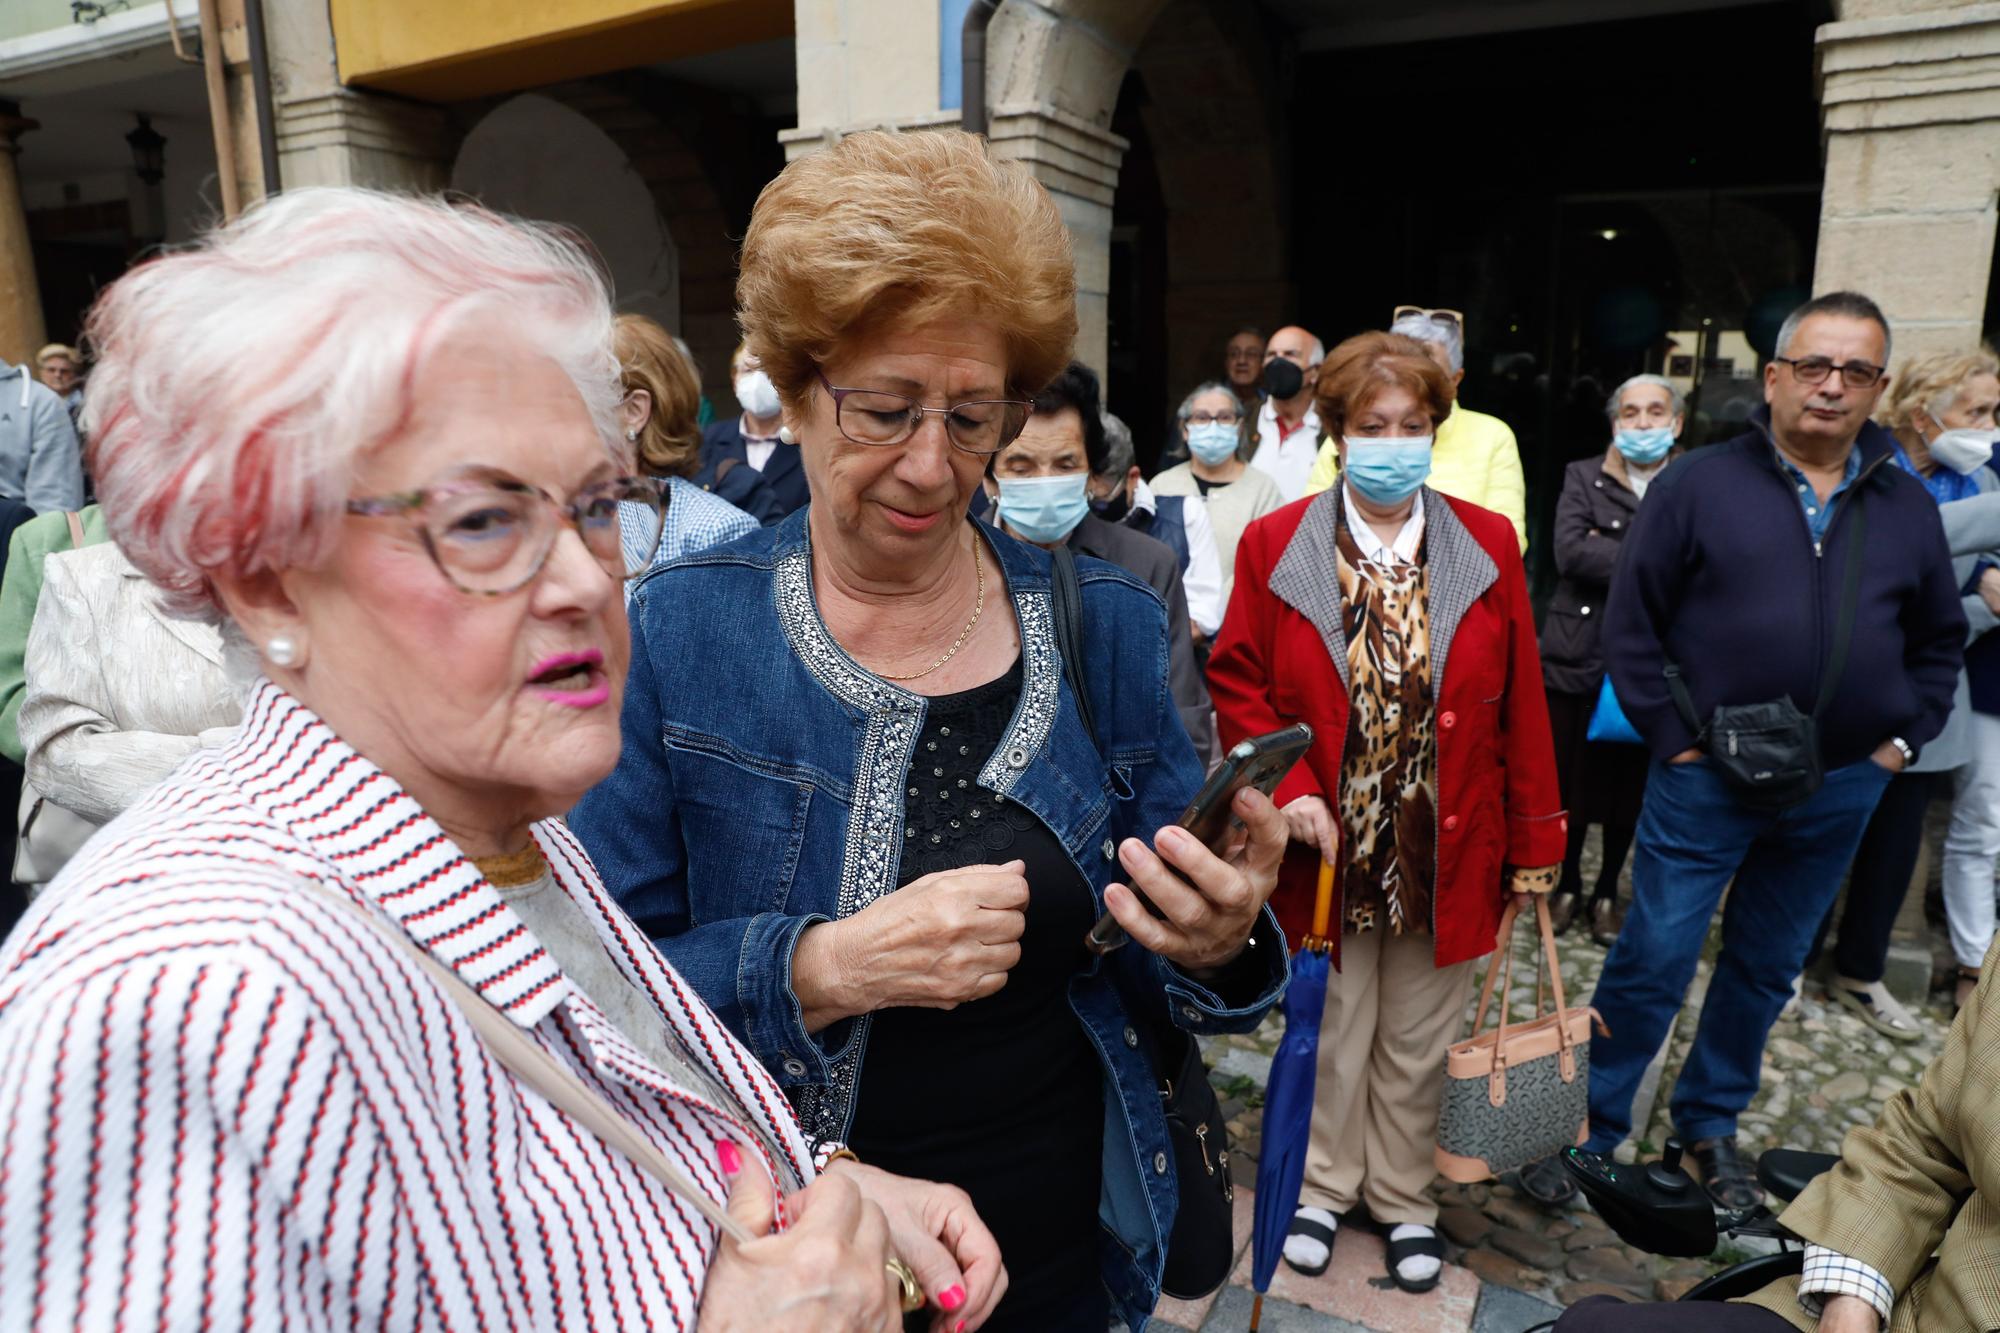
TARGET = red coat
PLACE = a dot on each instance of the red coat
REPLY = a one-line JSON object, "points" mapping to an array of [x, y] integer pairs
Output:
{"points": [[1497, 801]]}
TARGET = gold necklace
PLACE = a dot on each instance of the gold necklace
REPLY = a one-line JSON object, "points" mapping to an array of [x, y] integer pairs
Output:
{"points": [[978, 605]]}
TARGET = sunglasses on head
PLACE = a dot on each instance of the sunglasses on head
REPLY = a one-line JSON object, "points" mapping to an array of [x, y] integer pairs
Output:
{"points": [[1442, 316]]}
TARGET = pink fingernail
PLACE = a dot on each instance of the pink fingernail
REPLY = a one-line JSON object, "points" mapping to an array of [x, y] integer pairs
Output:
{"points": [[728, 1158], [960, 1328], [951, 1298]]}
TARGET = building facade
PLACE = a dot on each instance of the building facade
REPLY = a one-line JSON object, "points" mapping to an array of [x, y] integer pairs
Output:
{"points": [[1603, 186]]}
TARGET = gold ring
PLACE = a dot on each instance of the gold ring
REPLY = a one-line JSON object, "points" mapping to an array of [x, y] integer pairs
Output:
{"points": [[913, 1295]]}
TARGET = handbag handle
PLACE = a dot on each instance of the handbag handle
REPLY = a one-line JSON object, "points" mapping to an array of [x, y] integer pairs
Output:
{"points": [[1503, 968], [523, 1057]]}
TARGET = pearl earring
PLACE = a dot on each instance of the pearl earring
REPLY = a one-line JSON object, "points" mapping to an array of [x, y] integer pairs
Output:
{"points": [[785, 435], [282, 649], [631, 436]]}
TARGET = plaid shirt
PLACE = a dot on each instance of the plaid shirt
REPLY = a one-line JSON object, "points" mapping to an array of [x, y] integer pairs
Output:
{"points": [[1828, 1274], [696, 520]]}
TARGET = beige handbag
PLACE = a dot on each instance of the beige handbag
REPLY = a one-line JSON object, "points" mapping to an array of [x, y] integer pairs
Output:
{"points": [[49, 834], [1516, 1094], [556, 1083]]}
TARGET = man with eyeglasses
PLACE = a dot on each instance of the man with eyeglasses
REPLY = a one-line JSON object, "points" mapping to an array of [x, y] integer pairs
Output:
{"points": [[1735, 589], [1474, 456]]}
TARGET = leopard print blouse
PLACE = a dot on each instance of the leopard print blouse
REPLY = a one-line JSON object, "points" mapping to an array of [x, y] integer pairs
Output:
{"points": [[1388, 787]]}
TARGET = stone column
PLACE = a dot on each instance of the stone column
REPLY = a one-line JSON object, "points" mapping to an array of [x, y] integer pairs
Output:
{"points": [[1910, 104], [22, 332]]}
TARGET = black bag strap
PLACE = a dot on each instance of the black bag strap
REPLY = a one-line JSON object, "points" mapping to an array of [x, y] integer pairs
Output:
{"points": [[1843, 630], [1850, 589], [1066, 594]]}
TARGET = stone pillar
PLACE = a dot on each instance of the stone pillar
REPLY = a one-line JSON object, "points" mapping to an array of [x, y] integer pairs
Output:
{"points": [[22, 332], [1910, 103], [875, 67], [329, 134]]}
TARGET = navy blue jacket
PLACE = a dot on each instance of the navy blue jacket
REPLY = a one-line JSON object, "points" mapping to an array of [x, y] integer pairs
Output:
{"points": [[784, 473], [1720, 575]]}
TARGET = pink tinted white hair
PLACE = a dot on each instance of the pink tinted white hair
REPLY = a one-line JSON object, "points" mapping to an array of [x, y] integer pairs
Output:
{"points": [[237, 381]]}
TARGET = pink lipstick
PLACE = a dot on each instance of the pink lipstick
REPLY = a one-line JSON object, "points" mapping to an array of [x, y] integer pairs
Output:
{"points": [[575, 680]]}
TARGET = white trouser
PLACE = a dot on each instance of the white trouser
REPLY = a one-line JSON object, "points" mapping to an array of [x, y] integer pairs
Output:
{"points": [[1972, 845]]}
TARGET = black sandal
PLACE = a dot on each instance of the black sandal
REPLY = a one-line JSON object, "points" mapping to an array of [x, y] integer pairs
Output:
{"points": [[1547, 1182], [1412, 1247], [1311, 1230]]}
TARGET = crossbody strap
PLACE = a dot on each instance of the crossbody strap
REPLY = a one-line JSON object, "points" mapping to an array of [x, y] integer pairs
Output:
{"points": [[556, 1083], [1066, 596], [1850, 589], [1843, 630], [75, 528]]}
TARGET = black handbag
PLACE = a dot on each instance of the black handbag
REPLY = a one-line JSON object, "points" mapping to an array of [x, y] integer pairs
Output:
{"points": [[1202, 1248], [1769, 752]]}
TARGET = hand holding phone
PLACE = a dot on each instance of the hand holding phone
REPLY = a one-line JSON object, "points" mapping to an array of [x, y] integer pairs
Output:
{"points": [[1210, 819]]}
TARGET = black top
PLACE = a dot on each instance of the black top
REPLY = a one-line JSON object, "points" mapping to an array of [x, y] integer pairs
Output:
{"points": [[1206, 485], [1003, 1096]]}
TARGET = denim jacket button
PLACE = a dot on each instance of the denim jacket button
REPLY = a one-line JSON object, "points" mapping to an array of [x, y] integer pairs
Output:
{"points": [[1190, 1013], [795, 1066], [1017, 757], [1132, 1037], [1110, 849], [1160, 1163]]}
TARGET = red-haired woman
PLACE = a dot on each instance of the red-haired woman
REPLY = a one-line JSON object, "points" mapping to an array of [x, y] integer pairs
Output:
{"points": [[1395, 620]]}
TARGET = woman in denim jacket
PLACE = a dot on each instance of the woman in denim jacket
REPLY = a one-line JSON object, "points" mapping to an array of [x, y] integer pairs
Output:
{"points": [[856, 805]]}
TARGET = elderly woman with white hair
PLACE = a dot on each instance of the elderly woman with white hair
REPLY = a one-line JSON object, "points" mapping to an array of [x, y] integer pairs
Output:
{"points": [[1217, 475], [337, 1024]]}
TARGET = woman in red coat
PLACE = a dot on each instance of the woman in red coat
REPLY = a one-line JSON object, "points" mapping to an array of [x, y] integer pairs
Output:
{"points": [[1396, 621]]}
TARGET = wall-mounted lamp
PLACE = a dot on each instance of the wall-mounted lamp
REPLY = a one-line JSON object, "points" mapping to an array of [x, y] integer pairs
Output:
{"points": [[149, 151]]}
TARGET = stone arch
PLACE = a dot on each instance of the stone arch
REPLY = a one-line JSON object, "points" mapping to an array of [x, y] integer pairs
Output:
{"points": [[647, 199], [1212, 116], [534, 156]]}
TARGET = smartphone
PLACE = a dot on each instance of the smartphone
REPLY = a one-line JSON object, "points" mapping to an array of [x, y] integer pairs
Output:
{"points": [[1261, 762]]}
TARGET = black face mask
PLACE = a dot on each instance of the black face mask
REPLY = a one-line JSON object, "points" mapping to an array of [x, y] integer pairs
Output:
{"points": [[1282, 378], [1113, 508]]}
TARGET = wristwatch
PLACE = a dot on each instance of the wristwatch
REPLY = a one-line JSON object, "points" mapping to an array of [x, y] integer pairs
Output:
{"points": [[1909, 755]]}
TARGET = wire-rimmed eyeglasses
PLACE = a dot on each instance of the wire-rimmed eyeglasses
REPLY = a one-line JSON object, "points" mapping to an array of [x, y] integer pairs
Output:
{"points": [[491, 535], [876, 417]]}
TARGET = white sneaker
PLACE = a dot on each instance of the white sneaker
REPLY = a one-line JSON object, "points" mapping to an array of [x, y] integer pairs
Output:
{"points": [[1792, 1006]]}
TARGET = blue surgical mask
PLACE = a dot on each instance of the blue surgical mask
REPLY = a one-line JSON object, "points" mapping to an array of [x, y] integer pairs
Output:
{"points": [[1212, 441], [1044, 509], [1644, 446], [1387, 470]]}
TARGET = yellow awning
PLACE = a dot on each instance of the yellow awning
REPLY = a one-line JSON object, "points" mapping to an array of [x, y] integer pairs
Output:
{"points": [[449, 50]]}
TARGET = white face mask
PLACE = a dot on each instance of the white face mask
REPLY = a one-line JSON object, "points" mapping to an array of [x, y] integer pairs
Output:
{"points": [[1963, 451], [757, 394]]}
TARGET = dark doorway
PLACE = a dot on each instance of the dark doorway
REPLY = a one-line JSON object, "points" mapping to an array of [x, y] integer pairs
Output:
{"points": [[1586, 195], [1137, 307]]}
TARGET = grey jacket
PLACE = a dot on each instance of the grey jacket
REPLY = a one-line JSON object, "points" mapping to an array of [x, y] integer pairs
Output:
{"points": [[1972, 537], [1136, 553], [40, 461]]}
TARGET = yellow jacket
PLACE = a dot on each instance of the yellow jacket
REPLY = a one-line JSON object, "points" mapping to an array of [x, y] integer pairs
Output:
{"points": [[1917, 1194], [1474, 458]]}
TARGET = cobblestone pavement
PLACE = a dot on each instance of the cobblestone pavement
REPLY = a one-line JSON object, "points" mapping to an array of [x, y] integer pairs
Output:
{"points": [[1825, 1071]]}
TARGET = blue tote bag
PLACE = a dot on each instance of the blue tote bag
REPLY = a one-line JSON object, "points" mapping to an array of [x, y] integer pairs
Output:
{"points": [[1608, 721]]}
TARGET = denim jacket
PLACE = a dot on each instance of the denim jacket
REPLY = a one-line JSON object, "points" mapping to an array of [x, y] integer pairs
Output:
{"points": [[760, 791]]}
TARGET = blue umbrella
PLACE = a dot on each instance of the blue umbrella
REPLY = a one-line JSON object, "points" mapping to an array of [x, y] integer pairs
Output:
{"points": [[1288, 1101]]}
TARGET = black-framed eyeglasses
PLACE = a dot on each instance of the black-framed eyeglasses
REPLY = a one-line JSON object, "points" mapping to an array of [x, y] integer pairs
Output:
{"points": [[1222, 418], [491, 535], [875, 417], [1815, 369]]}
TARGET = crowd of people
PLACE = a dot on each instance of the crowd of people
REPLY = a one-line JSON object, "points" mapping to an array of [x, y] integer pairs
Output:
{"points": [[436, 918]]}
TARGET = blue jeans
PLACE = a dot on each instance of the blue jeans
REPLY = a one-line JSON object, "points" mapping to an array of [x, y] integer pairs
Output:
{"points": [[1694, 838]]}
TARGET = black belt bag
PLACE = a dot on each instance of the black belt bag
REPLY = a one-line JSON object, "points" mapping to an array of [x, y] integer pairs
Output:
{"points": [[1769, 752]]}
